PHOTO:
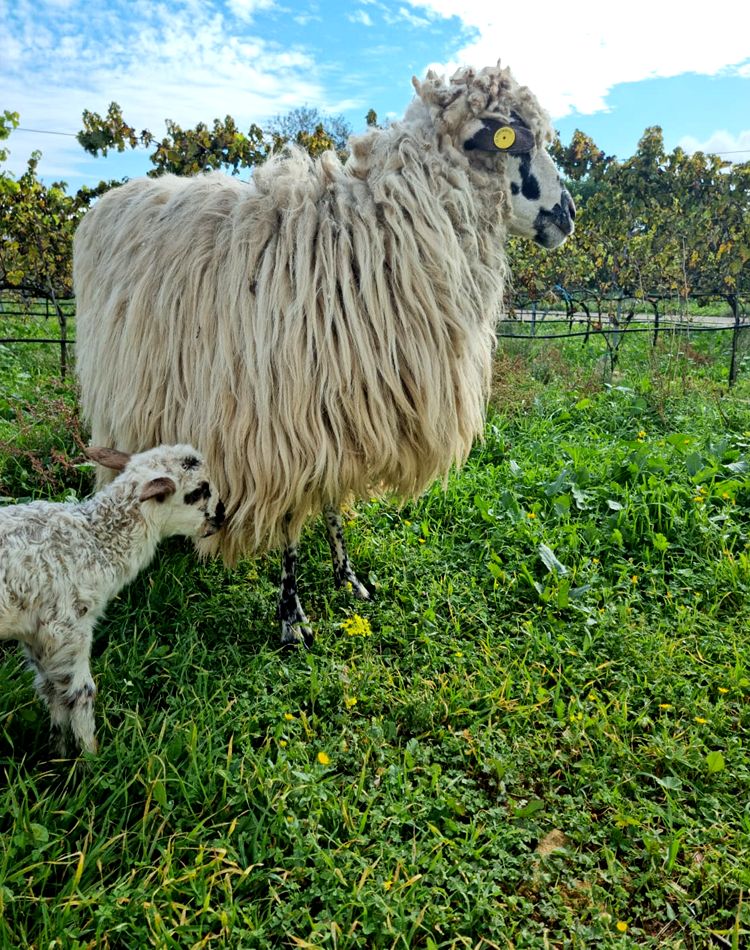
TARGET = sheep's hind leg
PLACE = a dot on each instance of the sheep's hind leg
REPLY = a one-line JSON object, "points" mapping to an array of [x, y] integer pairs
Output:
{"points": [[343, 572], [295, 627]]}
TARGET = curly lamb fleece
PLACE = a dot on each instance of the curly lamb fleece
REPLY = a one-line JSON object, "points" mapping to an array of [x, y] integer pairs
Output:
{"points": [[322, 332], [61, 563]]}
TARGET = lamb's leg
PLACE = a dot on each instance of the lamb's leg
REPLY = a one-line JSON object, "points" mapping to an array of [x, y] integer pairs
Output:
{"points": [[47, 691], [343, 572], [64, 683], [295, 627]]}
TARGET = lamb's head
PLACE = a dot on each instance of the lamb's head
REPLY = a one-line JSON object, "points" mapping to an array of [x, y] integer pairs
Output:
{"points": [[172, 486], [502, 129]]}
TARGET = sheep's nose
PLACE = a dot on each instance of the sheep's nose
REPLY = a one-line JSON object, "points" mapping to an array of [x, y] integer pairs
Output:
{"points": [[563, 213], [571, 204]]}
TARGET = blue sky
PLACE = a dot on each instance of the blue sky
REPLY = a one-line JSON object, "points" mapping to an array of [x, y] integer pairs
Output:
{"points": [[609, 69]]}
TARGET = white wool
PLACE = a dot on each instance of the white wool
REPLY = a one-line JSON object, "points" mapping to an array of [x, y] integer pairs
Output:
{"points": [[325, 331]]}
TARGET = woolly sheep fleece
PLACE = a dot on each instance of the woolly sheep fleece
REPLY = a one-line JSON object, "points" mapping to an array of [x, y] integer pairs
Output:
{"points": [[324, 331]]}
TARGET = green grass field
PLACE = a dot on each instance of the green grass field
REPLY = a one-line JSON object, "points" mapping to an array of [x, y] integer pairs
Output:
{"points": [[535, 736]]}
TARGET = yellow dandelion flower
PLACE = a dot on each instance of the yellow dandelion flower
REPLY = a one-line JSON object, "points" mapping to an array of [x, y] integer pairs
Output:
{"points": [[665, 706], [350, 701], [634, 579], [621, 926], [422, 541], [289, 717], [594, 560], [723, 689], [283, 743], [698, 500], [642, 434], [701, 720], [387, 885], [324, 758], [725, 494], [530, 514], [356, 626]]}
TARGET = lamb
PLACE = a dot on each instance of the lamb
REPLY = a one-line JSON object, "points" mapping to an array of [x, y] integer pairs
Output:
{"points": [[325, 331], [60, 564]]}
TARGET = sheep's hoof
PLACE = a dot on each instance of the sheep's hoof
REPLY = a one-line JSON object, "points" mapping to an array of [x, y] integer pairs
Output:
{"points": [[296, 634], [361, 592], [353, 585]]}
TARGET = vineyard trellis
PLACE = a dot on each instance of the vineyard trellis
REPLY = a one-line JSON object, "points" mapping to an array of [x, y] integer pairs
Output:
{"points": [[586, 312], [613, 316]]}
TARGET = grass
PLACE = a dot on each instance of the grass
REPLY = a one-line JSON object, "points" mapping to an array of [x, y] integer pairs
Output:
{"points": [[535, 736]]}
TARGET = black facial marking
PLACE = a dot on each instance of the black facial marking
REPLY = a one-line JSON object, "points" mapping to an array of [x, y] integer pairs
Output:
{"points": [[202, 491], [514, 188], [529, 184], [190, 462], [220, 515]]}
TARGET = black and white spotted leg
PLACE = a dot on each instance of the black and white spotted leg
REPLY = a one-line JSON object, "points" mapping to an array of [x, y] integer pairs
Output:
{"points": [[63, 682], [295, 627], [343, 572]]}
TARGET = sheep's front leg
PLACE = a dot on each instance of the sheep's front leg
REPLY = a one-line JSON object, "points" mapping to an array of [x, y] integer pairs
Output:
{"points": [[63, 681], [343, 572], [295, 627]]}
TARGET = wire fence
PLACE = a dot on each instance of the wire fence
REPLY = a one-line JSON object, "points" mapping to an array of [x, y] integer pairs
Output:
{"points": [[585, 313], [588, 313], [32, 309]]}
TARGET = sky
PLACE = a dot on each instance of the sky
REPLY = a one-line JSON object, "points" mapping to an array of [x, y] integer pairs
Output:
{"points": [[610, 69]]}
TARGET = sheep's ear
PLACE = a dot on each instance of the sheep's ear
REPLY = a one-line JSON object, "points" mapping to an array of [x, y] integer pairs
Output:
{"points": [[158, 488], [109, 458]]}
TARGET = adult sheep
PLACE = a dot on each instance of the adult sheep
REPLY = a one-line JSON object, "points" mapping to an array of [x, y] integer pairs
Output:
{"points": [[326, 329]]}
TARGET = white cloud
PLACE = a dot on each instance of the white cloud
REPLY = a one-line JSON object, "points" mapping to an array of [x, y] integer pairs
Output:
{"points": [[184, 62], [735, 148], [417, 21], [245, 9], [360, 16], [572, 57]]}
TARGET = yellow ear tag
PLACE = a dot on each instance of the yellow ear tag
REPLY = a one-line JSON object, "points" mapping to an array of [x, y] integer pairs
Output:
{"points": [[504, 137]]}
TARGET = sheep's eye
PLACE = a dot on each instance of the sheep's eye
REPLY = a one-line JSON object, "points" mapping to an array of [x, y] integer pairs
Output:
{"points": [[190, 462], [202, 491]]}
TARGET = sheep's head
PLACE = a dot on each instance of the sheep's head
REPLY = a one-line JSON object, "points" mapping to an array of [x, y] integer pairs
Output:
{"points": [[503, 130], [172, 486]]}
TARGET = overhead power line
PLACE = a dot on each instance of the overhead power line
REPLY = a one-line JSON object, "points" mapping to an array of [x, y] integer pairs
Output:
{"points": [[45, 132], [73, 135]]}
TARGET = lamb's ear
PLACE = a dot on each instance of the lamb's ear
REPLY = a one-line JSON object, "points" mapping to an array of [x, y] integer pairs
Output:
{"points": [[109, 458], [158, 488]]}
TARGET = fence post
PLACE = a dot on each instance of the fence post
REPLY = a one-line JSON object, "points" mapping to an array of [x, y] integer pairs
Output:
{"points": [[586, 310], [732, 301], [655, 304]]}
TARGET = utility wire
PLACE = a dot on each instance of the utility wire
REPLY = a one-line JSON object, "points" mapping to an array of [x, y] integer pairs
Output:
{"points": [[737, 151], [46, 132]]}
